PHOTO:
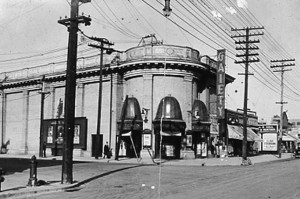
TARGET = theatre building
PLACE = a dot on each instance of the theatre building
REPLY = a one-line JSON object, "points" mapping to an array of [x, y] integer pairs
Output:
{"points": [[154, 96]]}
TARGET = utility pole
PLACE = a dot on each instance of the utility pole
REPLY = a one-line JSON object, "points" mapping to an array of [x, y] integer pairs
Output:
{"points": [[70, 89], [109, 50], [247, 47], [43, 92], [281, 70]]}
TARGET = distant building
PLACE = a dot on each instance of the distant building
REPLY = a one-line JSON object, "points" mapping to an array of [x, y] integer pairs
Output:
{"points": [[295, 123], [294, 128]]}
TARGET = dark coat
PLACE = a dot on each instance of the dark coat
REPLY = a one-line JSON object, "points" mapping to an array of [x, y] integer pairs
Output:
{"points": [[106, 149]]}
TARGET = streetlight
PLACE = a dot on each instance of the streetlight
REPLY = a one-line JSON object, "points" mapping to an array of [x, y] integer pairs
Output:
{"points": [[145, 114], [167, 9]]}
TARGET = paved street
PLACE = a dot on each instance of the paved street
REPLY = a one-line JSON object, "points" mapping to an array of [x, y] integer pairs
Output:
{"points": [[264, 180]]}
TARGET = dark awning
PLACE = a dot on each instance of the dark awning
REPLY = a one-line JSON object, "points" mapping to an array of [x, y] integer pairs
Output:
{"points": [[199, 111], [131, 112], [169, 115], [200, 121]]}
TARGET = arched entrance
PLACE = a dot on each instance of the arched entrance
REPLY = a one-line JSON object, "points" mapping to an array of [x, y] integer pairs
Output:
{"points": [[201, 130], [169, 128], [130, 126]]}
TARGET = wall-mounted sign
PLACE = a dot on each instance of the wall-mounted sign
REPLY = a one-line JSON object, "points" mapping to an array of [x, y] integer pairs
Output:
{"points": [[221, 84], [147, 139]]}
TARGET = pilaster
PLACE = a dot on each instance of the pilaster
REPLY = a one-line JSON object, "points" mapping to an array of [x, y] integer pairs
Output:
{"points": [[25, 114], [187, 106], [148, 99], [80, 100], [52, 103], [116, 106]]}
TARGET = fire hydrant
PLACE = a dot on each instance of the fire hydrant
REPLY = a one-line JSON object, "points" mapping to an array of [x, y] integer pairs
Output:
{"points": [[1, 177], [33, 172]]}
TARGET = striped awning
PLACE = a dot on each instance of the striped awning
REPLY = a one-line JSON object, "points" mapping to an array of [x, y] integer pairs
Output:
{"points": [[236, 132]]}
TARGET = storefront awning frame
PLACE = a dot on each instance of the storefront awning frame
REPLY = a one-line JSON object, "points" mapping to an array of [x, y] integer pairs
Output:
{"points": [[236, 132]]}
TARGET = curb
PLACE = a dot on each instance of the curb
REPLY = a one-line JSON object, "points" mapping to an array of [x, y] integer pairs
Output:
{"points": [[27, 191]]}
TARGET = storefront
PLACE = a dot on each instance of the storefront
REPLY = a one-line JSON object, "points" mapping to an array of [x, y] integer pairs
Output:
{"points": [[289, 143], [130, 128], [235, 140], [201, 130], [235, 133], [169, 128]]}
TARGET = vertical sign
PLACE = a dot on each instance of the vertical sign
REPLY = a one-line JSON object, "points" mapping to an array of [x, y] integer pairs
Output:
{"points": [[220, 83]]}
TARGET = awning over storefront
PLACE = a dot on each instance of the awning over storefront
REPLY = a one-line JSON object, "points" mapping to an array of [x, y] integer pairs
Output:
{"points": [[130, 115], [199, 111], [253, 136], [169, 117], [287, 137], [168, 134], [236, 132], [200, 117], [126, 134]]}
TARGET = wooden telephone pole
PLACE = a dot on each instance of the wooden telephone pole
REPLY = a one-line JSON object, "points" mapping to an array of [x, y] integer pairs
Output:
{"points": [[281, 70], [102, 42], [247, 46], [70, 89]]}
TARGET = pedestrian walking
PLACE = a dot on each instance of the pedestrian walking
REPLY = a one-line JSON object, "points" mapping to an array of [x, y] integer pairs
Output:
{"points": [[106, 150]]}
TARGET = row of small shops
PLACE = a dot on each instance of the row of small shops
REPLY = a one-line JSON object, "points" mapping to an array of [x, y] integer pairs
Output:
{"points": [[206, 139]]}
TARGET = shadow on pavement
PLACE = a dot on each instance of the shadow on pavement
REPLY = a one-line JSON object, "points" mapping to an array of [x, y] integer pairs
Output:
{"points": [[99, 176], [12, 165]]}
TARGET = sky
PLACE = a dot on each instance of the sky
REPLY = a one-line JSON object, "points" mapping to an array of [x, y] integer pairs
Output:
{"points": [[32, 37]]}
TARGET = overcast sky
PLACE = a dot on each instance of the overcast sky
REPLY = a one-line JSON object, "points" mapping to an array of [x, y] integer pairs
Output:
{"points": [[31, 36]]}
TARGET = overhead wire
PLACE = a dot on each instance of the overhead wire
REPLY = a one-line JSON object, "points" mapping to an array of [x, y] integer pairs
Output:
{"points": [[110, 21], [180, 26], [219, 36], [218, 26], [271, 41], [208, 5], [265, 64], [135, 16], [118, 20]]}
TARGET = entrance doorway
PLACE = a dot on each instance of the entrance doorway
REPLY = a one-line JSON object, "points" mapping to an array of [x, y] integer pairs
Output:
{"points": [[130, 144], [94, 143], [170, 146]]}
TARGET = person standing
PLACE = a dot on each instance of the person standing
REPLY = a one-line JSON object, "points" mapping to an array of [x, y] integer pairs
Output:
{"points": [[44, 149], [213, 146], [106, 150]]}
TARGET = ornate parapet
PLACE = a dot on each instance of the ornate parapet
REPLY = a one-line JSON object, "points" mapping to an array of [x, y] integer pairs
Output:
{"points": [[51, 69], [168, 52]]}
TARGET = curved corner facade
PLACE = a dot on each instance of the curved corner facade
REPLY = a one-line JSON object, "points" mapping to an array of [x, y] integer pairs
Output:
{"points": [[148, 99]]}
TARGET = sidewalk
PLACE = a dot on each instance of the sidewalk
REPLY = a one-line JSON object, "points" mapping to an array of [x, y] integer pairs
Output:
{"points": [[14, 185]]}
